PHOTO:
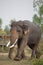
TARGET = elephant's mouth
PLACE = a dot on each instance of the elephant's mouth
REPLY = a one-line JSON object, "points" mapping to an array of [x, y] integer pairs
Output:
{"points": [[8, 44]]}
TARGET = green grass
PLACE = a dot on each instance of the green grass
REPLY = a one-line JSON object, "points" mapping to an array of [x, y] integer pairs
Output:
{"points": [[41, 47], [37, 62]]}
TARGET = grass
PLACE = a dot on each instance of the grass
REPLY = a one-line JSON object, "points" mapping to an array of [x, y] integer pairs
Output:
{"points": [[37, 62]]}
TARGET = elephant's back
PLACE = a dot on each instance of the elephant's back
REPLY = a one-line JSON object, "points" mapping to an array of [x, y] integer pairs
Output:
{"points": [[32, 26]]}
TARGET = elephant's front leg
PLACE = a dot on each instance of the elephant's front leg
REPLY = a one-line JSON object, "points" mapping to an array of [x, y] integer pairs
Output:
{"points": [[19, 53], [21, 49], [23, 55], [10, 53]]}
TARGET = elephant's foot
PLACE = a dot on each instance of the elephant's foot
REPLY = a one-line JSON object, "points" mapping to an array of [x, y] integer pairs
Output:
{"points": [[33, 57], [20, 58], [24, 57], [9, 56], [17, 58], [38, 55]]}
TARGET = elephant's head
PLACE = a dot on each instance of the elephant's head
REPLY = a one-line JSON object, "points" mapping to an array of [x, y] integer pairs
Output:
{"points": [[15, 33]]}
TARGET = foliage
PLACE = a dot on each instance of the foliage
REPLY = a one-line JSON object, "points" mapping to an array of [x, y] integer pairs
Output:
{"points": [[36, 19], [41, 10], [7, 29], [37, 4], [38, 16], [42, 27], [0, 23], [2, 32]]}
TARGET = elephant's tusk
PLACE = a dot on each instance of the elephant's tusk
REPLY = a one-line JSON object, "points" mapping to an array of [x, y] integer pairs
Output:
{"points": [[8, 44], [11, 46], [14, 44]]}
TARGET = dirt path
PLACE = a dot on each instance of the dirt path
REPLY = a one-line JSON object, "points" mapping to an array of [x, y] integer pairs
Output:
{"points": [[4, 60], [3, 53]]}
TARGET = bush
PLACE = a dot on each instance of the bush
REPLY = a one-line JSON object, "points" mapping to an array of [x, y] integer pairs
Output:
{"points": [[38, 62]]}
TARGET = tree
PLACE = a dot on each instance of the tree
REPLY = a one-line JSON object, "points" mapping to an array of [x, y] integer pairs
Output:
{"points": [[38, 16], [37, 4], [2, 32], [7, 30], [0, 23], [36, 19], [41, 10]]}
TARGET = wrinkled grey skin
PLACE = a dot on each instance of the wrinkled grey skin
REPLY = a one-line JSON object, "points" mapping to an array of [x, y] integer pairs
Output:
{"points": [[30, 38]]}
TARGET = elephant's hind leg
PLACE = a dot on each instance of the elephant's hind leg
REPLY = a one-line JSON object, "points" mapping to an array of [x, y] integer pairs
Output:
{"points": [[38, 54], [35, 51], [33, 55], [33, 47]]}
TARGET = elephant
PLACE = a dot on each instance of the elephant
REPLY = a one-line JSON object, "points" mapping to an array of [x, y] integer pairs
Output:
{"points": [[24, 33]]}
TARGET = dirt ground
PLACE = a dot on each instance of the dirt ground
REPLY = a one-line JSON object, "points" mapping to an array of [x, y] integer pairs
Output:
{"points": [[4, 60]]}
